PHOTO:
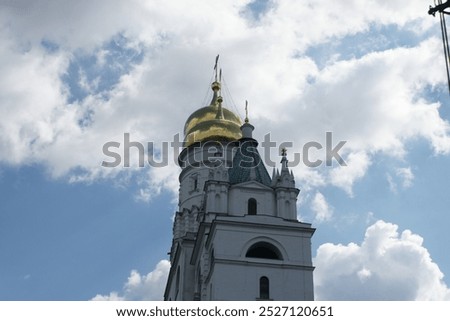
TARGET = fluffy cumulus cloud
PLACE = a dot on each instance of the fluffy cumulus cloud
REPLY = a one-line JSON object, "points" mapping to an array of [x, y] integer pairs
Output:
{"points": [[387, 265], [141, 287], [94, 71]]}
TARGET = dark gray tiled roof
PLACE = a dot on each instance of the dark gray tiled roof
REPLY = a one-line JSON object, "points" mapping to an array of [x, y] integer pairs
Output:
{"points": [[245, 160]]}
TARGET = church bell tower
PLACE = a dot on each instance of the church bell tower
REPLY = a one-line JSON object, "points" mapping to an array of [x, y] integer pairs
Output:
{"points": [[236, 235]]}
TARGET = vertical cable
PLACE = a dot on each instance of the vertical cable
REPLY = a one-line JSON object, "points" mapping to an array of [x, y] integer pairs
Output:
{"points": [[444, 41], [446, 46]]}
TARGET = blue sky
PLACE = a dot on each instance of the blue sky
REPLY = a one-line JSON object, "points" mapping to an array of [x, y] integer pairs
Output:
{"points": [[77, 75]]}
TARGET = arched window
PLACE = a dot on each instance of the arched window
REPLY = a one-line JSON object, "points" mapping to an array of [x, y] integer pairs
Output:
{"points": [[264, 250], [251, 207], [264, 288]]}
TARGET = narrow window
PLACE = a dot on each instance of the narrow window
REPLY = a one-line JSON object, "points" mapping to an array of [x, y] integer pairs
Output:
{"points": [[217, 201], [287, 207], [177, 284], [197, 294], [251, 206], [264, 288], [195, 183]]}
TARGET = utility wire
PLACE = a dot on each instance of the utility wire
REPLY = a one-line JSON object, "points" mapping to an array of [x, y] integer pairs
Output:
{"points": [[445, 45], [440, 7]]}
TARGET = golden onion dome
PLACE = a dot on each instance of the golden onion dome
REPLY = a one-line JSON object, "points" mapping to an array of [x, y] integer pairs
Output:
{"points": [[212, 123]]}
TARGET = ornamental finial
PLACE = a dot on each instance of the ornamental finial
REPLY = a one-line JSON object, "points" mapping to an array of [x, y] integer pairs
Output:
{"points": [[284, 160]]}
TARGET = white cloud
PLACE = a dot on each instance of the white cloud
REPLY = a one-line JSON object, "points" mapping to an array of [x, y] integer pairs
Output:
{"points": [[158, 179], [141, 287], [375, 102], [391, 182], [406, 175], [322, 210], [388, 265], [31, 101], [345, 176]]}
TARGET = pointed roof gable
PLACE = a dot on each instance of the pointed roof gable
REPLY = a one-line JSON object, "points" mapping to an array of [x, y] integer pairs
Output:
{"points": [[248, 165]]}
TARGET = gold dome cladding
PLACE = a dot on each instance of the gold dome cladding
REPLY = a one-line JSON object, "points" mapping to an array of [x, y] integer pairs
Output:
{"points": [[212, 123]]}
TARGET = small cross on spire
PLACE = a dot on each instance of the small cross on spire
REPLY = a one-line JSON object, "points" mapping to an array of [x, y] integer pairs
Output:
{"points": [[215, 66], [246, 111]]}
